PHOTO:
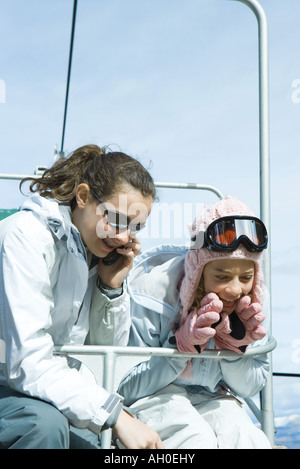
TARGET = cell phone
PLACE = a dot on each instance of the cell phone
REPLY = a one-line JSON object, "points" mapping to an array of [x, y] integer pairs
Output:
{"points": [[112, 257]]}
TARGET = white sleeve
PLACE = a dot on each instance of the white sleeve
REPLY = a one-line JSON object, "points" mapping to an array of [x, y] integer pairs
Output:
{"points": [[109, 319], [30, 367]]}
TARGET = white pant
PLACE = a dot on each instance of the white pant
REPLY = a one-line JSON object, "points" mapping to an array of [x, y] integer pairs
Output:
{"points": [[185, 421]]}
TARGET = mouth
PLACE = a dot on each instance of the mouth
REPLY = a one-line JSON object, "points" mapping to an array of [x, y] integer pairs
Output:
{"points": [[228, 304], [109, 245]]}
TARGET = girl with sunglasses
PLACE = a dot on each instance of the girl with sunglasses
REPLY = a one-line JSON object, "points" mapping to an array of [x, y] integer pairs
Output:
{"points": [[210, 296], [54, 275]]}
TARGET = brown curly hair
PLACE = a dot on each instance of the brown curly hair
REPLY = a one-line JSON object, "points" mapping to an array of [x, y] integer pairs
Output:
{"points": [[105, 171]]}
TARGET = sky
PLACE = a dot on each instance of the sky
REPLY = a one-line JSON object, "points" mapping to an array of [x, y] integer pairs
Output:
{"points": [[174, 84]]}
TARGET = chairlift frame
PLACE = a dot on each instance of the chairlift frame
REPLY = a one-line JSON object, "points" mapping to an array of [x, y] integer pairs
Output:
{"points": [[264, 414]]}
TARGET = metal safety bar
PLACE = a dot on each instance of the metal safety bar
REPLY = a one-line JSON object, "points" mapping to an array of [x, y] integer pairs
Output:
{"points": [[16, 177], [111, 353], [264, 126], [167, 185], [173, 185], [265, 198], [182, 185], [163, 351]]}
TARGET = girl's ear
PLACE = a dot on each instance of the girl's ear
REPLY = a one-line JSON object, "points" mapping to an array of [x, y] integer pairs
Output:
{"points": [[82, 195]]}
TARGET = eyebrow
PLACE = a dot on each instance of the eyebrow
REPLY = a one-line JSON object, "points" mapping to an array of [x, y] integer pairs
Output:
{"points": [[218, 269]]}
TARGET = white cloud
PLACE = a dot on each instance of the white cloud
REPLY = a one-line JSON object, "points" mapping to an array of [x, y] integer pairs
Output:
{"points": [[287, 420]]}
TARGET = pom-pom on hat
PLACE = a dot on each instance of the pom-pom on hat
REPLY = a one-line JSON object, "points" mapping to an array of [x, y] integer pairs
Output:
{"points": [[196, 259]]}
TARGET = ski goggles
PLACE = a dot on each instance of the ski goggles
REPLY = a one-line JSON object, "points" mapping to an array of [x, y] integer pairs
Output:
{"points": [[227, 233]]}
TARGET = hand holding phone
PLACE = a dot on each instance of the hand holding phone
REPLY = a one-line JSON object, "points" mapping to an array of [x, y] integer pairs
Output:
{"points": [[112, 257], [114, 268]]}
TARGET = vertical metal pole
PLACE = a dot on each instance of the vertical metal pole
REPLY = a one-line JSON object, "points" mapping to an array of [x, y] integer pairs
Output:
{"points": [[264, 152], [61, 153], [108, 384]]}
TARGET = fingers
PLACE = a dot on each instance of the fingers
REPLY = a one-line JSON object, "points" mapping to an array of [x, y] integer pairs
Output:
{"points": [[134, 434], [115, 273], [259, 333], [131, 249], [209, 298], [242, 304], [207, 319], [159, 444], [249, 312], [255, 321], [151, 440], [204, 334], [215, 305], [252, 316], [224, 325]]}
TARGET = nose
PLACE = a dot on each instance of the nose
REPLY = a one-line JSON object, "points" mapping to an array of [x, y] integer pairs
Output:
{"points": [[234, 290], [123, 236]]}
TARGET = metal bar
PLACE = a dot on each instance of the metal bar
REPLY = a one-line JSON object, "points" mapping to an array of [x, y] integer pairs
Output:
{"points": [[16, 177], [69, 75], [160, 351], [254, 409], [179, 185], [267, 412], [287, 375], [112, 352], [264, 153], [108, 384], [173, 185]]}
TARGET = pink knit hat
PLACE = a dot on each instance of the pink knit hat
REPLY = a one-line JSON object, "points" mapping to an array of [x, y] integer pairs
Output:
{"points": [[196, 259]]}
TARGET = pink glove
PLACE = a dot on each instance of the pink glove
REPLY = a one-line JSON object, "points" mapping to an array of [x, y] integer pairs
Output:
{"points": [[196, 331], [245, 327]]}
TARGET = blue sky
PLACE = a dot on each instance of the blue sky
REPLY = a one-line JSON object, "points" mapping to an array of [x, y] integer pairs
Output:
{"points": [[173, 83]]}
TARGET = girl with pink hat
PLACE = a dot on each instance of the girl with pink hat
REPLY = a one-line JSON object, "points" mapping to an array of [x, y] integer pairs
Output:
{"points": [[210, 296]]}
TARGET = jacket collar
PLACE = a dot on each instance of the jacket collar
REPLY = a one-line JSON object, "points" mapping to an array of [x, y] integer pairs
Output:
{"points": [[57, 216]]}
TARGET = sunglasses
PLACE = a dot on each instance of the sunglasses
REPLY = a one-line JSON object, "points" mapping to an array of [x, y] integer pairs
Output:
{"points": [[226, 233], [118, 220]]}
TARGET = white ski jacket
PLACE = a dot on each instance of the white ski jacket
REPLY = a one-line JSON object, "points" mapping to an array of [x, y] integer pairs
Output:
{"points": [[153, 285], [47, 293]]}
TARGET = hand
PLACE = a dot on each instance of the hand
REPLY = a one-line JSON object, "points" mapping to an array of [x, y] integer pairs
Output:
{"points": [[134, 434], [115, 274], [197, 330], [245, 327]]}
